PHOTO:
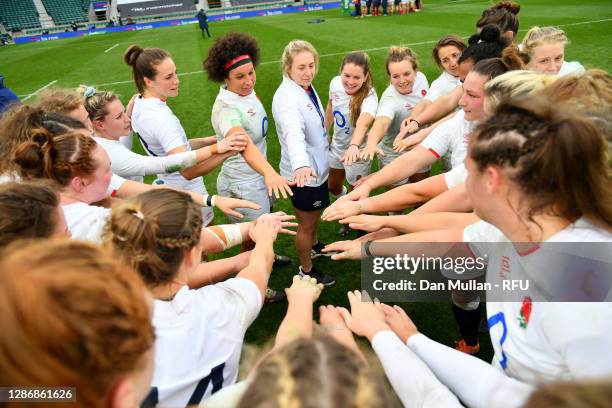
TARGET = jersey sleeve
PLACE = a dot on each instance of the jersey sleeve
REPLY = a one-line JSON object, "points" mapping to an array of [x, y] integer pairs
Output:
{"points": [[294, 129], [370, 104], [228, 117], [127, 163], [480, 236], [170, 133], [386, 106], [456, 176], [414, 383], [475, 382], [115, 184], [438, 141], [238, 304]]}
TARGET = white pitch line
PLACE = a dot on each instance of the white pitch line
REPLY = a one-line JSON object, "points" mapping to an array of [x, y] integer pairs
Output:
{"points": [[111, 48], [36, 92]]}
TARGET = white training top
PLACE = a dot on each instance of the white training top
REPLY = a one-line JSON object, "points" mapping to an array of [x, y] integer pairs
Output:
{"points": [[160, 131], [456, 176], [199, 336], [544, 341], [232, 110], [452, 138], [85, 222], [301, 131], [476, 383], [134, 166], [571, 67], [443, 85], [397, 107], [340, 101]]}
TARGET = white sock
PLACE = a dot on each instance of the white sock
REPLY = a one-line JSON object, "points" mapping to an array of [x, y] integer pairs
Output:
{"points": [[343, 192]]}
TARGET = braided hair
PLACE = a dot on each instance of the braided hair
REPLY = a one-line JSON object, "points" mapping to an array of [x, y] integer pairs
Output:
{"points": [[152, 232]]}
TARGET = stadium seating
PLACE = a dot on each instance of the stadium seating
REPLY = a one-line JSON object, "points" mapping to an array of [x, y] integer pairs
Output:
{"points": [[66, 11], [17, 15], [250, 2]]}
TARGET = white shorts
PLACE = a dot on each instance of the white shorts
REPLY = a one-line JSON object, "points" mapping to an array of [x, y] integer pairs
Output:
{"points": [[353, 172], [389, 157], [253, 190]]}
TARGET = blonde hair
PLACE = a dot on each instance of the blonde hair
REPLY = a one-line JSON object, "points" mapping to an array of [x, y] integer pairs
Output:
{"points": [[316, 372], [61, 101], [95, 101], [515, 83], [537, 36], [71, 315], [294, 48], [572, 394], [152, 232], [398, 54]]}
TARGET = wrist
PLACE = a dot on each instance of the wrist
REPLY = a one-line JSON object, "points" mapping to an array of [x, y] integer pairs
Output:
{"points": [[415, 121], [214, 148], [374, 329]]}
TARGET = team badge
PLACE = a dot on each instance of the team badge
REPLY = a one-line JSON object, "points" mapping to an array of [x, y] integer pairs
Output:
{"points": [[423, 92], [525, 313]]}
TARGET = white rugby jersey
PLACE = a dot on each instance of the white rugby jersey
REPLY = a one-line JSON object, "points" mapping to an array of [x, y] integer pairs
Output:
{"points": [[86, 222], [397, 107], [539, 342], [115, 184], [299, 118], [443, 85], [231, 110], [199, 336], [340, 100], [160, 131], [571, 68], [450, 138]]}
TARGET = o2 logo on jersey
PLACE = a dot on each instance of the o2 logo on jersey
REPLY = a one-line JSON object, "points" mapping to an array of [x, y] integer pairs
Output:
{"points": [[341, 122], [335, 96], [264, 126], [408, 106]]}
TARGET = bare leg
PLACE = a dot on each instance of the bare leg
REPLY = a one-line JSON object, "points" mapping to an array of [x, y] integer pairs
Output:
{"points": [[308, 221]]}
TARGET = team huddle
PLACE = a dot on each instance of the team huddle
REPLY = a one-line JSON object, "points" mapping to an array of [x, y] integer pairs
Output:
{"points": [[105, 284]]}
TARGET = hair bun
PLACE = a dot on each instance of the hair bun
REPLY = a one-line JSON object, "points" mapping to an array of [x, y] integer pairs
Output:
{"points": [[512, 7], [490, 33], [132, 54]]}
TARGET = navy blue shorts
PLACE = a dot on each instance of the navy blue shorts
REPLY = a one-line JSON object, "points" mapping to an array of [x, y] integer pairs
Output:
{"points": [[310, 198]]}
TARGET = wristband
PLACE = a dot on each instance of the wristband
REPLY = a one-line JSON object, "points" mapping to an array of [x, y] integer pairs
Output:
{"points": [[207, 201], [415, 121], [212, 200], [214, 149], [366, 249]]}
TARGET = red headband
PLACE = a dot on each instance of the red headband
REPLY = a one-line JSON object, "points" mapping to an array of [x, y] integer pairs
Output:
{"points": [[236, 62]]}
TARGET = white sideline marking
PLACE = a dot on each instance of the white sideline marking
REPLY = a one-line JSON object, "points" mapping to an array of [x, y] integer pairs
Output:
{"points": [[111, 48], [345, 52], [36, 92]]}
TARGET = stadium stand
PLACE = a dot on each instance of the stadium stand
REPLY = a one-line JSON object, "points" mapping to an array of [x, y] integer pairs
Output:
{"points": [[17, 15], [66, 11]]}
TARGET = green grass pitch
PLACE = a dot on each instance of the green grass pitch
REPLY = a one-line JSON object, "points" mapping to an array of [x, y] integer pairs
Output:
{"points": [[92, 60]]}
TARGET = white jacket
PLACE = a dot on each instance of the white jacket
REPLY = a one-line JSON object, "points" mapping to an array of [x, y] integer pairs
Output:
{"points": [[300, 131]]}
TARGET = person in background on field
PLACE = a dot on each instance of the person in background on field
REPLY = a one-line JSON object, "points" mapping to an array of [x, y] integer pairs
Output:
{"points": [[7, 96], [203, 22]]}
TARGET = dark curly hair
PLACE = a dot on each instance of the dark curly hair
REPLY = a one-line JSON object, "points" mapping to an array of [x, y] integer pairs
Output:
{"points": [[227, 48]]}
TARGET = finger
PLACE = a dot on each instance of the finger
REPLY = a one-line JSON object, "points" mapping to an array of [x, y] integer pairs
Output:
{"points": [[287, 189], [269, 191], [234, 213], [365, 296], [296, 278], [345, 314], [401, 311], [249, 204]]}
